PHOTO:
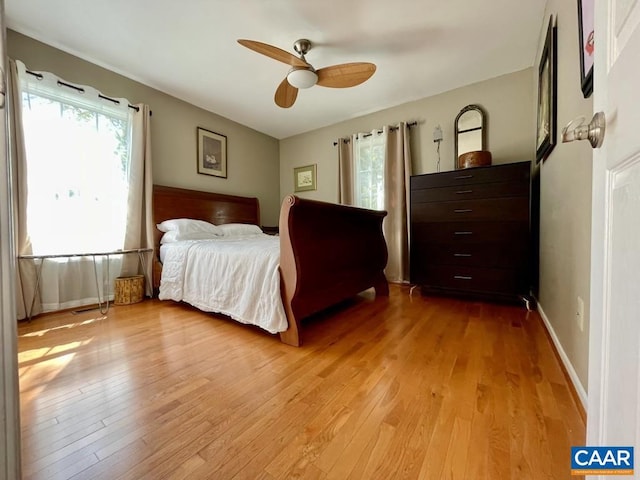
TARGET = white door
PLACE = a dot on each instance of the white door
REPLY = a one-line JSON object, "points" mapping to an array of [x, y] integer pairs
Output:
{"points": [[9, 420], [614, 358]]}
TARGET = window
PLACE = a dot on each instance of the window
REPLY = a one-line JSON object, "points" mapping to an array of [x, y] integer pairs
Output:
{"points": [[369, 171], [77, 156]]}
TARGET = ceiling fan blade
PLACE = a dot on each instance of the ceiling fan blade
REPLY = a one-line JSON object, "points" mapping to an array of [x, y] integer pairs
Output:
{"points": [[273, 52], [286, 94], [345, 75]]}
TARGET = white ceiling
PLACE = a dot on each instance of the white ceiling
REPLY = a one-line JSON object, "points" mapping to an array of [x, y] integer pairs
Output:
{"points": [[188, 48]]}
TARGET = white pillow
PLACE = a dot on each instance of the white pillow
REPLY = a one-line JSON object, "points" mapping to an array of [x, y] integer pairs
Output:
{"points": [[239, 229], [188, 225], [177, 236]]}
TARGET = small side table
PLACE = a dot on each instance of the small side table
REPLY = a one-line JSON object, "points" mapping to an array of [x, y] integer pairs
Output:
{"points": [[42, 258]]}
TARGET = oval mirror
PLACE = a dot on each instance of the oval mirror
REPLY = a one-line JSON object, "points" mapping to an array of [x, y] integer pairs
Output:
{"points": [[469, 131]]}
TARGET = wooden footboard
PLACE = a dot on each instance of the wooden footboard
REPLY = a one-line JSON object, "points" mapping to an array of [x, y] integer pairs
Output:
{"points": [[328, 253]]}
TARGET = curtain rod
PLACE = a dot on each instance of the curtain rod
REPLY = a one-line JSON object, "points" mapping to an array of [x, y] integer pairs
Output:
{"points": [[410, 124], [39, 76]]}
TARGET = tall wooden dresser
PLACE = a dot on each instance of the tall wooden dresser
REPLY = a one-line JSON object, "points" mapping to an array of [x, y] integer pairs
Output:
{"points": [[470, 231]]}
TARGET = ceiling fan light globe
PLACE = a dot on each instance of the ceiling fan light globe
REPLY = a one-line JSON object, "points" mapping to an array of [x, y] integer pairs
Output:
{"points": [[302, 78]]}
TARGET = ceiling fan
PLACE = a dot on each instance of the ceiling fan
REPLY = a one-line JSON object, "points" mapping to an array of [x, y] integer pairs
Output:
{"points": [[302, 73]]}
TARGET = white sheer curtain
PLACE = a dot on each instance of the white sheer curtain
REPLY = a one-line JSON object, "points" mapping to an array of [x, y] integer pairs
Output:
{"points": [[374, 173], [82, 169], [369, 172]]}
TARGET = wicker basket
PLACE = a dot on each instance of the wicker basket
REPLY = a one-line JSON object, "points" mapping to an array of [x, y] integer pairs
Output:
{"points": [[128, 290]]}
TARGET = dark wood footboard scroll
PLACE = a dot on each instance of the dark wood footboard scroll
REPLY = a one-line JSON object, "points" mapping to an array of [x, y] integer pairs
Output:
{"points": [[328, 253]]}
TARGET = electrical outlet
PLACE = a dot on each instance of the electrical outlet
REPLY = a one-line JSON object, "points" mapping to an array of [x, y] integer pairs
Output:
{"points": [[580, 314], [437, 134]]}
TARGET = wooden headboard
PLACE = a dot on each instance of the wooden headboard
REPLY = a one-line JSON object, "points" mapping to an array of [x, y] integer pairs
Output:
{"points": [[217, 208]]}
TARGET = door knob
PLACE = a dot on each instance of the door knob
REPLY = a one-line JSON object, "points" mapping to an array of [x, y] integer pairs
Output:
{"points": [[593, 131]]}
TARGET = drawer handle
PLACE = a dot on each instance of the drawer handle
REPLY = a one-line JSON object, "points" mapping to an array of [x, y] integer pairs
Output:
{"points": [[461, 254], [463, 233], [462, 277], [462, 177], [460, 192], [463, 210]]}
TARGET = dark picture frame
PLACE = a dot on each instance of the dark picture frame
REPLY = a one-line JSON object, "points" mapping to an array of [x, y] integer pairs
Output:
{"points": [[586, 28], [547, 93], [212, 153]]}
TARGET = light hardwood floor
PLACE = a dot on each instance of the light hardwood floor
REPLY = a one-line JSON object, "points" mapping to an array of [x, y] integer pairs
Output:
{"points": [[401, 387]]}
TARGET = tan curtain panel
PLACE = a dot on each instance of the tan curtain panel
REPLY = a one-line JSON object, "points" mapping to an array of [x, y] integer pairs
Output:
{"points": [[396, 199], [26, 271], [345, 170], [140, 227]]}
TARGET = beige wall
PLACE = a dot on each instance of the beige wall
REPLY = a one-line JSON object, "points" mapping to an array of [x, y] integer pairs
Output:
{"points": [[258, 163], [508, 101], [565, 207], [252, 157]]}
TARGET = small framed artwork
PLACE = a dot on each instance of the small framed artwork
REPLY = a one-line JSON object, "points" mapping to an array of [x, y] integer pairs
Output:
{"points": [[547, 90], [212, 153], [304, 178], [585, 27]]}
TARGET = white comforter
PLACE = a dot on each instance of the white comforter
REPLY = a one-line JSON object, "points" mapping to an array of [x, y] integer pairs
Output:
{"points": [[236, 277]]}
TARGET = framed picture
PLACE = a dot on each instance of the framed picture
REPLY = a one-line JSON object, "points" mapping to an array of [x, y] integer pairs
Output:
{"points": [[304, 178], [547, 110], [585, 27], [212, 153]]}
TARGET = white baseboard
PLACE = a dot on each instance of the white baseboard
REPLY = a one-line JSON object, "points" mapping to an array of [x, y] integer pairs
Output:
{"points": [[565, 359]]}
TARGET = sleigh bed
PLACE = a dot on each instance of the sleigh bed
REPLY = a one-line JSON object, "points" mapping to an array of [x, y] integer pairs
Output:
{"points": [[328, 252]]}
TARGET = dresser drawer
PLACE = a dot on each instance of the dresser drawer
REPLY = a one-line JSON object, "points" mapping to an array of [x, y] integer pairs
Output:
{"points": [[490, 209], [494, 255], [469, 232], [498, 173], [474, 279], [518, 188]]}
